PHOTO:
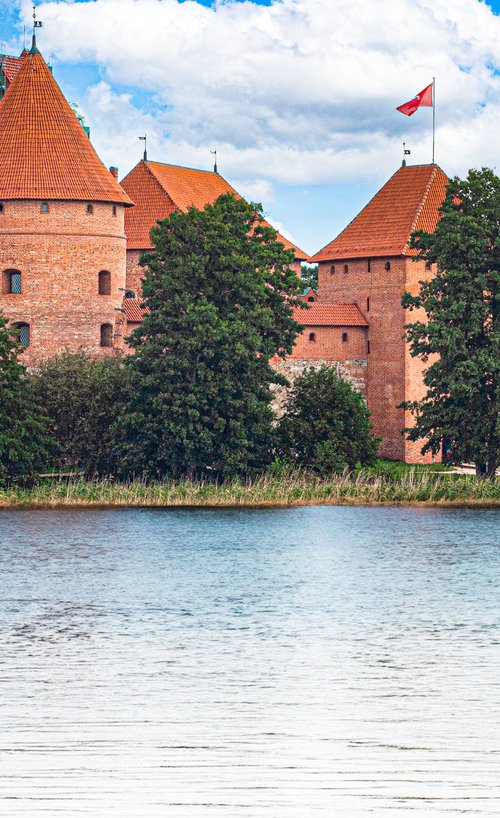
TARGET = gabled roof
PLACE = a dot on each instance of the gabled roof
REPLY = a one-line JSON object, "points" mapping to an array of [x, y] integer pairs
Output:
{"points": [[330, 315], [158, 190], [409, 201], [12, 65], [44, 151]]}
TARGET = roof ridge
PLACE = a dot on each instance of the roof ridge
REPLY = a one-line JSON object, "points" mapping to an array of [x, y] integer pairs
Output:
{"points": [[422, 204], [182, 167]]}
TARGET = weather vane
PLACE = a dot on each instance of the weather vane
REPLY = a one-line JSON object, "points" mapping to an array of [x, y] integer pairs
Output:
{"points": [[145, 140], [214, 153], [36, 23], [406, 152]]}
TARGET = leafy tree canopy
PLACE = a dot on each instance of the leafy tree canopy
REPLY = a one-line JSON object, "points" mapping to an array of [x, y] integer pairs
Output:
{"points": [[80, 396], [219, 293], [326, 424], [23, 438], [461, 336], [309, 275]]}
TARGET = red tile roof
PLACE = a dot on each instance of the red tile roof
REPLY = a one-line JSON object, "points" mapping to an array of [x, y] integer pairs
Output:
{"points": [[134, 313], [409, 201], [158, 189], [330, 315], [44, 151], [12, 65]]}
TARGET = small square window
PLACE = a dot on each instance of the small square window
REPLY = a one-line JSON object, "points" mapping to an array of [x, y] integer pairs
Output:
{"points": [[312, 336], [44, 207], [90, 209]]}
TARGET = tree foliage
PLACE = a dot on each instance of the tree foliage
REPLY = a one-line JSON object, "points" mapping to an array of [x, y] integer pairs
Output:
{"points": [[80, 396], [309, 275], [461, 336], [23, 438], [218, 292], [326, 424]]}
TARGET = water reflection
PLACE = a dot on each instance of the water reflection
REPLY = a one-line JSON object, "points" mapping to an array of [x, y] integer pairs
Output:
{"points": [[312, 662]]}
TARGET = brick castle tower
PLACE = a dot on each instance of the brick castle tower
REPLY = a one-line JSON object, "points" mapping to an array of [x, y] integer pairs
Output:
{"points": [[372, 264], [62, 238]]}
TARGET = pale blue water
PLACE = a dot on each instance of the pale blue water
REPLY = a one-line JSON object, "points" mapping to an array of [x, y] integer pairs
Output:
{"points": [[272, 664]]}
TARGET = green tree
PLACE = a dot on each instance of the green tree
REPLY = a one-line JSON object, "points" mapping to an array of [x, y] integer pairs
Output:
{"points": [[326, 425], [461, 334], [23, 438], [309, 275], [218, 292], [81, 396]]}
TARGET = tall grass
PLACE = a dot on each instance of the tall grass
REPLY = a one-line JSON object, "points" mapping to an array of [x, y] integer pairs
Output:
{"points": [[285, 490]]}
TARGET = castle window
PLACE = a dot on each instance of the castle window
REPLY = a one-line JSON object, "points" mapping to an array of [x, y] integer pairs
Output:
{"points": [[369, 265], [24, 334], [311, 298], [44, 208], [312, 336], [345, 337], [104, 282], [11, 282], [90, 209], [106, 335], [114, 210], [346, 268], [1, 207], [368, 304], [129, 294], [368, 347], [332, 270], [387, 265]]}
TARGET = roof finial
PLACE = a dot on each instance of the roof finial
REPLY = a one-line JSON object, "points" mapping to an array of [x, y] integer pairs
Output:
{"points": [[215, 163], [406, 152], [36, 24], [145, 140]]}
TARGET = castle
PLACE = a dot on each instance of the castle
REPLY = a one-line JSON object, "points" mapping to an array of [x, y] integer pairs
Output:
{"points": [[71, 237]]}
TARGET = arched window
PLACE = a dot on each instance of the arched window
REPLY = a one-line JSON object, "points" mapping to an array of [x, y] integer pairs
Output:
{"points": [[345, 337], [129, 294], [312, 336], [106, 335], [311, 298], [44, 207], [11, 282], [24, 333], [346, 268], [104, 282], [90, 209]]}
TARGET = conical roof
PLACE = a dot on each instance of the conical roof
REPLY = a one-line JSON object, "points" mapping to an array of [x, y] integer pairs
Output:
{"points": [[409, 201], [44, 151]]}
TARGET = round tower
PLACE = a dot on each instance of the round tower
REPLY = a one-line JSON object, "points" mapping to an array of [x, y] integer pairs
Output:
{"points": [[62, 240]]}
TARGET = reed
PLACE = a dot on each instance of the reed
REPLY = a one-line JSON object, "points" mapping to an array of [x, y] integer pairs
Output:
{"points": [[290, 489]]}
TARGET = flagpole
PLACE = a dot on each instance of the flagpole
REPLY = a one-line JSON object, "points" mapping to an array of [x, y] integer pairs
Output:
{"points": [[433, 117]]}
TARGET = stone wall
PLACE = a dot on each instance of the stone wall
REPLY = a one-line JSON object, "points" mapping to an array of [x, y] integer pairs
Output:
{"points": [[353, 371]]}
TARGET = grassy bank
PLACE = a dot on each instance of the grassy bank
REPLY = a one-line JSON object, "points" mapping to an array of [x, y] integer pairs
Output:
{"points": [[413, 486]]}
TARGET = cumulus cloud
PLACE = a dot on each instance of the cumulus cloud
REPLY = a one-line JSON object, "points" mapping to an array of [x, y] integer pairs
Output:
{"points": [[301, 91]]}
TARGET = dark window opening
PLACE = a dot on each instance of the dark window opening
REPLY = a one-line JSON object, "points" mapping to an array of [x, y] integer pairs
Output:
{"points": [[114, 210], [129, 294], [368, 347], [104, 282], [312, 336], [345, 337], [388, 265], [368, 304], [332, 269], [11, 282], [24, 334], [44, 207], [90, 209], [311, 298], [1, 207], [369, 265], [106, 335], [346, 268]]}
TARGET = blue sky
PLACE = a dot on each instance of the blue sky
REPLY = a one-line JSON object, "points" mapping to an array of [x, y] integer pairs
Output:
{"points": [[298, 96]]}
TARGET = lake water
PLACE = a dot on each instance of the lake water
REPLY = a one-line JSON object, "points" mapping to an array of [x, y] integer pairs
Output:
{"points": [[317, 662]]}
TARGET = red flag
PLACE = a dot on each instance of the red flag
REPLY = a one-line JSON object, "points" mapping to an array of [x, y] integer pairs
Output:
{"points": [[422, 100]]}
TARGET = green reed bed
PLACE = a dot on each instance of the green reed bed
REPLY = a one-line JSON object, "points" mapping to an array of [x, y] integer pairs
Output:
{"points": [[293, 489]]}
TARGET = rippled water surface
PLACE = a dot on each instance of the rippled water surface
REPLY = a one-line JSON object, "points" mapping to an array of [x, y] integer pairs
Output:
{"points": [[335, 662]]}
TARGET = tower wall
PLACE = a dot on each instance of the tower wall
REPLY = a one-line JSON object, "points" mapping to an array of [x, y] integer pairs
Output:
{"points": [[59, 255]]}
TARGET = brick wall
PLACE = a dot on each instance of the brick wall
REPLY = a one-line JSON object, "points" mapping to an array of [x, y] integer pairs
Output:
{"points": [[59, 255], [328, 342], [135, 272]]}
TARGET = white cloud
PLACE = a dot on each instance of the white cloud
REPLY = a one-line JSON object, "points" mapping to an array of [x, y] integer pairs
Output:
{"points": [[302, 91]]}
